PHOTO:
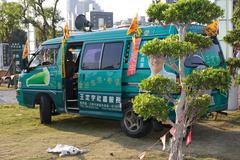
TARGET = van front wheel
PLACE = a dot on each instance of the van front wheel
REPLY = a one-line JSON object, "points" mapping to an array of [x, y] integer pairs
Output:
{"points": [[134, 126], [45, 110]]}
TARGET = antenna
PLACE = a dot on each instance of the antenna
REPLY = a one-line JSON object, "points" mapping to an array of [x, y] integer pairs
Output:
{"points": [[82, 24]]}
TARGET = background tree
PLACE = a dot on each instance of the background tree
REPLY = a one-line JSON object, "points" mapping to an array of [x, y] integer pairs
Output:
{"points": [[233, 38], [10, 22], [195, 88], [43, 18]]}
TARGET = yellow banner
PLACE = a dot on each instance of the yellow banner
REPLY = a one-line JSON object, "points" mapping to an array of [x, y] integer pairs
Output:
{"points": [[25, 51]]}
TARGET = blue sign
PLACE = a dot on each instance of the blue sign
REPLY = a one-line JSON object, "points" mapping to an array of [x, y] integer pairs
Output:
{"points": [[6, 55]]}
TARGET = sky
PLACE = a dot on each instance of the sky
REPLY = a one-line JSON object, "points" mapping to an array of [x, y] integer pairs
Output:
{"points": [[122, 9]]}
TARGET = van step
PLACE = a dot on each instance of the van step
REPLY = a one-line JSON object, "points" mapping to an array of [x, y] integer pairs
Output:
{"points": [[72, 100], [73, 108]]}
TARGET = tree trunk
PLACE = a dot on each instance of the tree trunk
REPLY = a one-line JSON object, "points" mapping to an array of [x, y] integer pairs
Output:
{"points": [[233, 96], [177, 139], [177, 143], [54, 34]]}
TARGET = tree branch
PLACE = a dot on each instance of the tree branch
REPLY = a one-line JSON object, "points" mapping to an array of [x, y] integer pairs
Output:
{"points": [[169, 98]]}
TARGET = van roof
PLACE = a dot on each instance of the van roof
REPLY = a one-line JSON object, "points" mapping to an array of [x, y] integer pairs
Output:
{"points": [[147, 31]]}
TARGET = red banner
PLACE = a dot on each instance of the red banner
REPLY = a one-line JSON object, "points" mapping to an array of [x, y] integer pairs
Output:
{"points": [[189, 137], [134, 57]]}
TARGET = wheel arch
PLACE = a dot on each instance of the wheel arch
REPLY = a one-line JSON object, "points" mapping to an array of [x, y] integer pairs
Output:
{"points": [[126, 104], [39, 95]]}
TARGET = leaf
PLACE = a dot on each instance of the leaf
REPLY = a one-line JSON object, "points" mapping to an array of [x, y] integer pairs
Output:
{"points": [[148, 106]]}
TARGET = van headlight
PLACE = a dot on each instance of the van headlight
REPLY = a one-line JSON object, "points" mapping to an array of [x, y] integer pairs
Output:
{"points": [[19, 85]]}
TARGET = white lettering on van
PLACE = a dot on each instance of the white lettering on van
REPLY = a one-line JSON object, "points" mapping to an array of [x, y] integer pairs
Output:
{"points": [[111, 99], [99, 98], [87, 97], [93, 97], [118, 99], [81, 97], [105, 99]]}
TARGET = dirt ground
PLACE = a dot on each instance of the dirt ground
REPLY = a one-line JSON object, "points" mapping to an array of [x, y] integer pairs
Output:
{"points": [[22, 137]]}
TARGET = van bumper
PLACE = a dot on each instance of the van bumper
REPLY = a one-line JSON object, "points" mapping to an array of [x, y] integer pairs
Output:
{"points": [[19, 96]]}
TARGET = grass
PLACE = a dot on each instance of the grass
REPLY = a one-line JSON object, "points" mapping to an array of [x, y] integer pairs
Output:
{"points": [[4, 87], [23, 137]]}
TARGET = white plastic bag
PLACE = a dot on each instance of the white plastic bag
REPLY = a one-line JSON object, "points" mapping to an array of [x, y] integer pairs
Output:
{"points": [[65, 150]]}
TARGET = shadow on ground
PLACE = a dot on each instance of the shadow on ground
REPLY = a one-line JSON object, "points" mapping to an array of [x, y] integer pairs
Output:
{"points": [[207, 141]]}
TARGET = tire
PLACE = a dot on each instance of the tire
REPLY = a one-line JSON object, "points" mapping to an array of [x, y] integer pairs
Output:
{"points": [[134, 126], [45, 110]]}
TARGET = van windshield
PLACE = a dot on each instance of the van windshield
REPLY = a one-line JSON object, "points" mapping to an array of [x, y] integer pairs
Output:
{"points": [[211, 56]]}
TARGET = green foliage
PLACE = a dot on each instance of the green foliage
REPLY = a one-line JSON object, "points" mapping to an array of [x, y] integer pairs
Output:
{"points": [[159, 85], [168, 47], [238, 80], [199, 40], [149, 106], [181, 14], [208, 79], [233, 38], [236, 15], [233, 62], [185, 12], [200, 104], [45, 19], [188, 11], [155, 11], [18, 36], [10, 20], [233, 65]]}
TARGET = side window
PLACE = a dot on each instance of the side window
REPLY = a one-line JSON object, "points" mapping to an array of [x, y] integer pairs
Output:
{"points": [[37, 60], [50, 55], [91, 56], [112, 54], [45, 56]]}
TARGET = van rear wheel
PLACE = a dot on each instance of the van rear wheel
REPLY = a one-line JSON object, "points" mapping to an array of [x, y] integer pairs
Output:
{"points": [[134, 126], [45, 110]]}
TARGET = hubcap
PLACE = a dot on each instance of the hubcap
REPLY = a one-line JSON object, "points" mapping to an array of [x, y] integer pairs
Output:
{"points": [[132, 122]]}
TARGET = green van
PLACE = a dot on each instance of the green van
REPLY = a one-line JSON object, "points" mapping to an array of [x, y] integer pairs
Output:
{"points": [[96, 82]]}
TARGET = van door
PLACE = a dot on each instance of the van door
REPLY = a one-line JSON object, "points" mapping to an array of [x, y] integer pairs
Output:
{"points": [[42, 74], [71, 83], [44, 68], [100, 79]]}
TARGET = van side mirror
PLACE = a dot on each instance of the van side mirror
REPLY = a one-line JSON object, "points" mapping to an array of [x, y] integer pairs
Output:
{"points": [[24, 64], [194, 61]]}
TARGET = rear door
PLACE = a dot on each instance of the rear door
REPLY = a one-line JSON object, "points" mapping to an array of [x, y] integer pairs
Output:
{"points": [[100, 79]]}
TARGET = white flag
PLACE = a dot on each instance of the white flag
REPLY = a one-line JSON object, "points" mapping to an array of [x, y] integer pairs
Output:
{"points": [[142, 155]]}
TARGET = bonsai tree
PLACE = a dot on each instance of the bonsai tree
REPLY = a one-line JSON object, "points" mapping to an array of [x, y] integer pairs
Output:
{"points": [[233, 38], [194, 98]]}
